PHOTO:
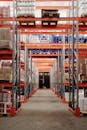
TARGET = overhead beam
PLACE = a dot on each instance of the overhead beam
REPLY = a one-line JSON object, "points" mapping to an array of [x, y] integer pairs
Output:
{"points": [[42, 46], [50, 31], [53, 46], [43, 0], [44, 70], [39, 27], [44, 32], [44, 55], [55, 0], [5, 0], [43, 65], [54, 7], [44, 19]]}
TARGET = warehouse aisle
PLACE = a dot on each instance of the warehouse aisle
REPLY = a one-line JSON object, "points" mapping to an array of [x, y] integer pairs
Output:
{"points": [[43, 111]]}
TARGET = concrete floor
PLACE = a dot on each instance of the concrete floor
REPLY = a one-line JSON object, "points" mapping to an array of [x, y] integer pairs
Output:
{"points": [[44, 111]]}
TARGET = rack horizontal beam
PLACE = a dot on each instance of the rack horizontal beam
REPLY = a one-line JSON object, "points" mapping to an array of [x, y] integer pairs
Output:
{"points": [[82, 28], [57, 27], [5, 84], [46, 64], [82, 85], [44, 55], [55, 0], [5, 0], [54, 7], [43, 0], [52, 32], [5, 26], [84, 55], [42, 46], [45, 32], [44, 19], [6, 54], [43, 61], [8, 84], [44, 70], [52, 46]]}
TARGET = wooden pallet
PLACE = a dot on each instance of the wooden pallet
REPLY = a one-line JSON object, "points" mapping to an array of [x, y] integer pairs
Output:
{"points": [[49, 23]]}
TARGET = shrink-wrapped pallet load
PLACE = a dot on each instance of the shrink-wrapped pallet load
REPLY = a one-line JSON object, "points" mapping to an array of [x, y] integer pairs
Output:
{"points": [[5, 13], [6, 74], [83, 10], [26, 9]]}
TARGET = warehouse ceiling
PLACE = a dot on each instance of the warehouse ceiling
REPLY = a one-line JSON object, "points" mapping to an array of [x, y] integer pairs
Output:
{"points": [[44, 65]]}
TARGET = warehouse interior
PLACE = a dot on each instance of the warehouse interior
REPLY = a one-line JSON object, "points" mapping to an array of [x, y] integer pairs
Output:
{"points": [[43, 64]]}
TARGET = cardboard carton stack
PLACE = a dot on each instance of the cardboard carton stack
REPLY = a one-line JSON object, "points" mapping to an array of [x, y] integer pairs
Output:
{"points": [[34, 39], [83, 10], [5, 38], [44, 38], [22, 75], [83, 7], [5, 97], [82, 69], [4, 12], [5, 102], [26, 8], [5, 71], [5, 74]]}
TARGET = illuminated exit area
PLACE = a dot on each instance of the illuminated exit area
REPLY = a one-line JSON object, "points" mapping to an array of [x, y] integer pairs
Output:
{"points": [[44, 80], [45, 71]]}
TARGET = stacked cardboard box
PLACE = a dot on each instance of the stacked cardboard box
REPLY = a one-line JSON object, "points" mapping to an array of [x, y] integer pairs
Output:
{"points": [[5, 97], [6, 74], [82, 69], [44, 38], [22, 75], [67, 96], [83, 104], [83, 10], [26, 8], [83, 7], [22, 55], [5, 38], [66, 77], [4, 12], [34, 39]]}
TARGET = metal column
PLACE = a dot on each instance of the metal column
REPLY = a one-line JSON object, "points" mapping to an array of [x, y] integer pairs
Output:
{"points": [[62, 71], [77, 40], [31, 73], [73, 83], [69, 52], [15, 62], [26, 90]]}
